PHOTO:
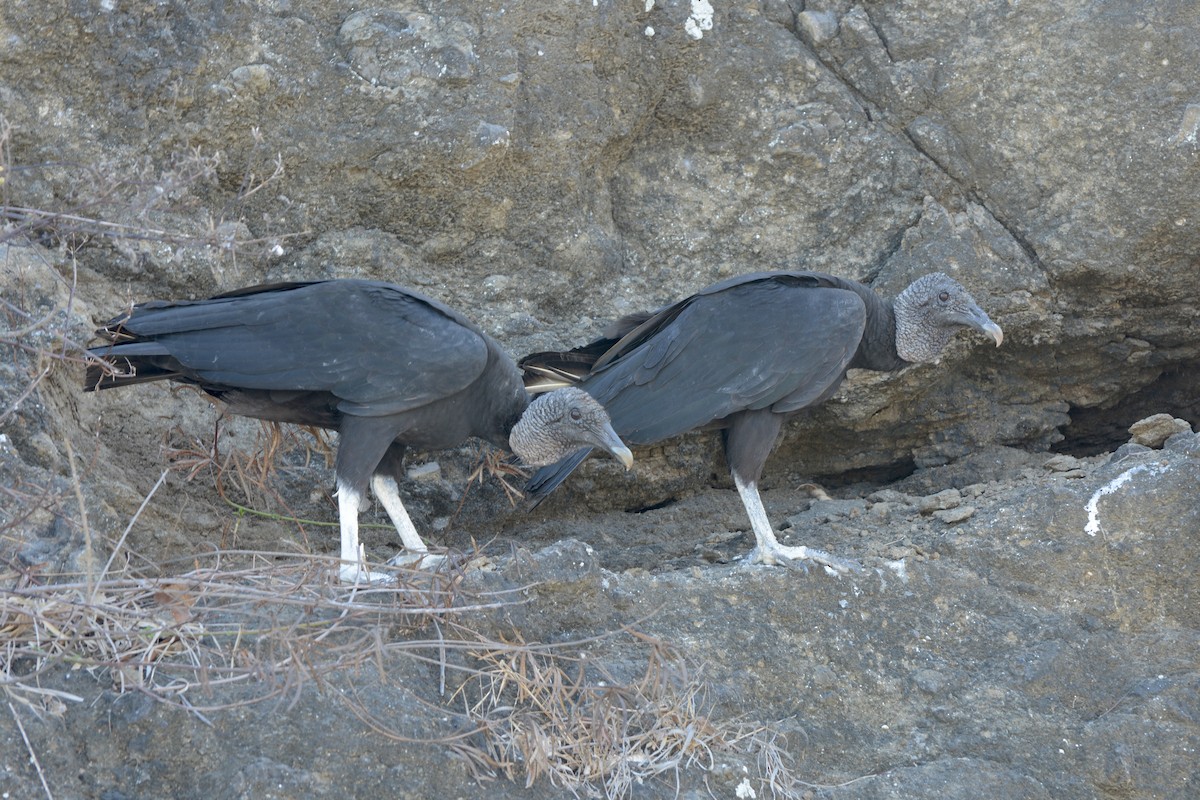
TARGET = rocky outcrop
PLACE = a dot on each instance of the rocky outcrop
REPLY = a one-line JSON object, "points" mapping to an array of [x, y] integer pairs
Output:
{"points": [[546, 167]]}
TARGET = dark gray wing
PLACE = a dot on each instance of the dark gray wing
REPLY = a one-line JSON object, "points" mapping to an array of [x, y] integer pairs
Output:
{"points": [[750, 344], [379, 348]]}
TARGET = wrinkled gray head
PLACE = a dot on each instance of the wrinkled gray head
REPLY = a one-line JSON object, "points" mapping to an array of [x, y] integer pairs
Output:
{"points": [[930, 311], [558, 423]]}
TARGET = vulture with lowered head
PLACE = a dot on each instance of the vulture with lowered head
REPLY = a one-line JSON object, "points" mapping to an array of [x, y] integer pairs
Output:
{"points": [[384, 366], [741, 356]]}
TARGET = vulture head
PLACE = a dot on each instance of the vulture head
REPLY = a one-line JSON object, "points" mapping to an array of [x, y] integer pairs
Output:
{"points": [[930, 311], [559, 423]]}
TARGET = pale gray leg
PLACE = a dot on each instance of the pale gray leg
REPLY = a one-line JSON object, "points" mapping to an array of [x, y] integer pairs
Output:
{"points": [[388, 495], [768, 550], [352, 569]]}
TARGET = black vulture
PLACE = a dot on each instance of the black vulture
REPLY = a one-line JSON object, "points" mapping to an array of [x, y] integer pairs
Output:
{"points": [[743, 355], [384, 366]]}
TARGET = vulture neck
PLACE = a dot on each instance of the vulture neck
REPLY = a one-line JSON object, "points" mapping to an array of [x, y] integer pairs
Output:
{"points": [[499, 402], [877, 350], [501, 437]]}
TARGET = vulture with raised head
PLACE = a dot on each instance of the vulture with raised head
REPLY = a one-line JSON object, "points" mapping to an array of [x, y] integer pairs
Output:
{"points": [[385, 367], [743, 355]]}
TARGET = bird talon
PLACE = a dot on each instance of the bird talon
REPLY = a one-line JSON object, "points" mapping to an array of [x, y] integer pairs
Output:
{"points": [[422, 559], [795, 564], [776, 558], [359, 574], [846, 565], [837, 567], [799, 558]]}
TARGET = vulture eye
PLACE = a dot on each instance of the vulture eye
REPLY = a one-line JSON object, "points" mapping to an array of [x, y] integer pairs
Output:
{"points": [[944, 296], [576, 414]]}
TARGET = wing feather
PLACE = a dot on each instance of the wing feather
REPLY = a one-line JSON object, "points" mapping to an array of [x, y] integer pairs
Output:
{"points": [[379, 348], [743, 345]]}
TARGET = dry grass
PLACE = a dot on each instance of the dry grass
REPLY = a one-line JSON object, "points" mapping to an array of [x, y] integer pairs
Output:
{"points": [[546, 714], [279, 622], [535, 712], [553, 713], [243, 474], [280, 626]]}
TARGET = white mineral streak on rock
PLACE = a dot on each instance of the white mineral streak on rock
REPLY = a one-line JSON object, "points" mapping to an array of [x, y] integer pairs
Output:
{"points": [[1093, 505]]}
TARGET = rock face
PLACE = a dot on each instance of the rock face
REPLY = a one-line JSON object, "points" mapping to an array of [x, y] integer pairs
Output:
{"points": [[547, 167], [1042, 648]]}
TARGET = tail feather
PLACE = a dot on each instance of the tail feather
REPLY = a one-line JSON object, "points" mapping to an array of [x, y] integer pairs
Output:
{"points": [[546, 371], [126, 364], [127, 373], [546, 378], [547, 479], [555, 369]]}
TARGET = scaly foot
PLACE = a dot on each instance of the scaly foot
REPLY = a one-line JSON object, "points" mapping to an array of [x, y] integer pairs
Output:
{"points": [[422, 559], [796, 557], [359, 574]]}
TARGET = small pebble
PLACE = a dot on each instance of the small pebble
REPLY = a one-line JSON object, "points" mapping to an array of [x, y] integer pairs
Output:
{"points": [[947, 498], [953, 516], [823, 677], [883, 510], [890, 496], [817, 27], [1062, 463]]}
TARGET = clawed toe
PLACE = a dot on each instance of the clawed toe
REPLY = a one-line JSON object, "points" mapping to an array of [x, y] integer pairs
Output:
{"points": [[359, 574], [799, 557], [834, 565], [422, 559], [775, 558]]}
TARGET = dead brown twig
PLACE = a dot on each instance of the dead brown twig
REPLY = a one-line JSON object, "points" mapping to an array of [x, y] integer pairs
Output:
{"points": [[494, 464], [242, 475]]}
